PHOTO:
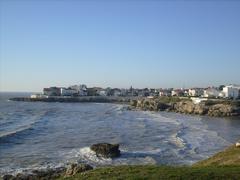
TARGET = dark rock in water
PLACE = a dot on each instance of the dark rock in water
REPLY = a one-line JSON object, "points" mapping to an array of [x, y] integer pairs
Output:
{"points": [[8, 177], [106, 150], [77, 168]]}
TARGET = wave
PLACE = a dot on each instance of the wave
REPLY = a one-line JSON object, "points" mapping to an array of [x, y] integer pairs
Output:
{"points": [[29, 124], [86, 155], [31, 169], [16, 131]]}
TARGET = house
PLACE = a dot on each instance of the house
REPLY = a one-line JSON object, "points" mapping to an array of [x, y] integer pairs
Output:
{"points": [[144, 92], [154, 92], [124, 92], [69, 92], [131, 92], [211, 93], [164, 92], [93, 91], [102, 92], [177, 92], [52, 91], [195, 92], [81, 89], [117, 92], [231, 91]]}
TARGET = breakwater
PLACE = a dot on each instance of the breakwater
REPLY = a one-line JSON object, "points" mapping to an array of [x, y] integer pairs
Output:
{"points": [[94, 99]]}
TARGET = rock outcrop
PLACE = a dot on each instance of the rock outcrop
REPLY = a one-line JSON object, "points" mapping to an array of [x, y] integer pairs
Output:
{"points": [[77, 168], [37, 175], [50, 173], [106, 150], [186, 106], [221, 110]]}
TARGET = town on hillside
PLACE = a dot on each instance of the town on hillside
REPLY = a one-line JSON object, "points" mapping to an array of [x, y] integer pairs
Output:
{"points": [[228, 92]]}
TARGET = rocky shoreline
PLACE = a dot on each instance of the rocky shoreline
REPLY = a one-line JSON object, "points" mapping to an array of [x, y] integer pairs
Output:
{"points": [[217, 108], [105, 150]]}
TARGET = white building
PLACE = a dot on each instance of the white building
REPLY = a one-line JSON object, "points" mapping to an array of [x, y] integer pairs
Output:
{"points": [[81, 89], [165, 92], [195, 92], [68, 92], [197, 100], [117, 92], [102, 92], [211, 92], [177, 92], [231, 91]]}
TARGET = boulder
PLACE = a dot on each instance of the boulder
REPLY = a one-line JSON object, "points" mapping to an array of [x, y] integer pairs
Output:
{"points": [[238, 144], [8, 177], [106, 150], [77, 168]]}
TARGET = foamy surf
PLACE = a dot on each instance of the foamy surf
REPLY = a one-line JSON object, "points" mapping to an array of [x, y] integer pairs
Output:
{"points": [[86, 155]]}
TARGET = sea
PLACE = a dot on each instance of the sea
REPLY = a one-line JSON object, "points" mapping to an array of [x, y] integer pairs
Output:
{"points": [[40, 135]]}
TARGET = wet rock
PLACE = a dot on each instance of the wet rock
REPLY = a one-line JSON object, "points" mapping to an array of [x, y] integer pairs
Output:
{"points": [[77, 168], [8, 177], [106, 150]]}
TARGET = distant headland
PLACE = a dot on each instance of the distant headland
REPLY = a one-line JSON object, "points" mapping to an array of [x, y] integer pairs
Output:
{"points": [[219, 101]]}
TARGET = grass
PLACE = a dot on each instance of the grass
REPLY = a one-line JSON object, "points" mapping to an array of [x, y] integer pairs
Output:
{"points": [[161, 172], [230, 156], [224, 165]]}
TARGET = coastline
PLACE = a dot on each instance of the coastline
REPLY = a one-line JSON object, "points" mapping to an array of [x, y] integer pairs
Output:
{"points": [[59, 173], [222, 165], [214, 108]]}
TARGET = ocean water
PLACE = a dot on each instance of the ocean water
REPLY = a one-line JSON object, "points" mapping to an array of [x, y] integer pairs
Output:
{"points": [[37, 135]]}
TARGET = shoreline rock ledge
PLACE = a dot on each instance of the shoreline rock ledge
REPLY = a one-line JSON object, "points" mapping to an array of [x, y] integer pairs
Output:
{"points": [[106, 150]]}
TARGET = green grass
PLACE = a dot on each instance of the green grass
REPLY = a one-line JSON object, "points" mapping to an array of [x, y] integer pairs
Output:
{"points": [[223, 165], [230, 156], [161, 172]]}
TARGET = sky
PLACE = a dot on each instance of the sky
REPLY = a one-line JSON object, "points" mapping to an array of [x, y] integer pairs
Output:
{"points": [[118, 43]]}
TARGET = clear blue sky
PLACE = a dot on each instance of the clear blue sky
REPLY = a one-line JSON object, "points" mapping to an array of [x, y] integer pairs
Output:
{"points": [[118, 44]]}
